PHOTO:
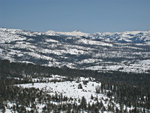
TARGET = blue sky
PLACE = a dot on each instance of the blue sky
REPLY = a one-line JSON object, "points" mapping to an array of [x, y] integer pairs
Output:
{"points": [[68, 15]]}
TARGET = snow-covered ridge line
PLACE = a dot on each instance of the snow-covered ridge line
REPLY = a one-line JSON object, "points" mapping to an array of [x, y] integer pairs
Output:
{"points": [[76, 31], [127, 36], [79, 33]]}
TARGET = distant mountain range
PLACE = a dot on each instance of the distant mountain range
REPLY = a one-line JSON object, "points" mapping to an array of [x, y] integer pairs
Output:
{"points": [[124, 37], [120, 51]]}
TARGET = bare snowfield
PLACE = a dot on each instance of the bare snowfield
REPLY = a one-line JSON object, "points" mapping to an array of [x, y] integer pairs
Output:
{"points": [[69, 89]]}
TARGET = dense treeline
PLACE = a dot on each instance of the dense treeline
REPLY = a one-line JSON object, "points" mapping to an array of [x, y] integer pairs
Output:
{"points": [[128, 89], [12, 69]]}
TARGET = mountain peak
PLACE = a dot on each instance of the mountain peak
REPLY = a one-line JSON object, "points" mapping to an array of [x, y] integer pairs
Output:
{"points": [[50, 32], [73, 33], [76, 30]]}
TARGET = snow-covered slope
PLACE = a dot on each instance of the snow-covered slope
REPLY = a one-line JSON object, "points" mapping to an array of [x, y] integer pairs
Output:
{"points": [[120, 51], [88, 89], [45, 94]]}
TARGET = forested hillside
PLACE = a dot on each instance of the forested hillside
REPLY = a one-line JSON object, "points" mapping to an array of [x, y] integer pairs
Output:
{"points": [[125, 92]]}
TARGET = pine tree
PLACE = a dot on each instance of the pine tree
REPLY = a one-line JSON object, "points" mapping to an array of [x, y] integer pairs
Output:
{"points": [[83, 103], [97, 88]]}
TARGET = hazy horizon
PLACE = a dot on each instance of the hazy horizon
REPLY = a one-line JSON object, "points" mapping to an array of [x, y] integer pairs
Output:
{"points": [[68, 15]]}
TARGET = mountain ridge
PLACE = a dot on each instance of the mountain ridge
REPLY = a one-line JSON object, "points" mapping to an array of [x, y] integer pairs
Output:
{"points": [[127, 34]]}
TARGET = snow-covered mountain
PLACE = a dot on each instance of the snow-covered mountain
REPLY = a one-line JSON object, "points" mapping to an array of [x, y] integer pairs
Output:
{"points": [[73, 33], [120, 51], [124, 37]]}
